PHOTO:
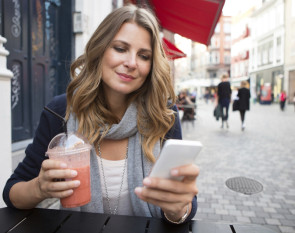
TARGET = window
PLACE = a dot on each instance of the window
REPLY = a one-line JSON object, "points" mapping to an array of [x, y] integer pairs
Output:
{"points": [[208, 58], [253, 61], [217, 28], [215, 42], [281, 14], [246, 67], [212, 74], [233, 70], [242, 68], [264, 55], [279, 48], [264, 23], [216, 58], [226, 27], [227, 58], [272, 19], [227, 42], [270, 52], [259, 56]]}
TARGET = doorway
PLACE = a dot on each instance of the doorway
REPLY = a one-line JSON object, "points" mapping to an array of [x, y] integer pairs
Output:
{"points": [[39, 40]]}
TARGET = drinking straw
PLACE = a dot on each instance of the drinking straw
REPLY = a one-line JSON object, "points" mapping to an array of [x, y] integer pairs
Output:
{"points": [[64, 125]]}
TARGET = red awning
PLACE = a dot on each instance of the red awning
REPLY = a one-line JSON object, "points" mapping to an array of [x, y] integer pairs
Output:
{"points": [[171, 50], [193, 19]]}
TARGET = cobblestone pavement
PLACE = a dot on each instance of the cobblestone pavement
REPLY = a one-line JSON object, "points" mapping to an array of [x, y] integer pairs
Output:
{"points": [[263, 152]]}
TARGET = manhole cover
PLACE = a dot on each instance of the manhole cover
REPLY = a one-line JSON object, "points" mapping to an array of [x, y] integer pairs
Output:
{"points": [[244, 185]]}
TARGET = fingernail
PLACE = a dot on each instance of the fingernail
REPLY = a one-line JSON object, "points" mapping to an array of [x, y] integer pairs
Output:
{"points": [[70, 191], [76, 183], [74, 173], [138, 190], [147, 181], [174, 172], [63, 165]]}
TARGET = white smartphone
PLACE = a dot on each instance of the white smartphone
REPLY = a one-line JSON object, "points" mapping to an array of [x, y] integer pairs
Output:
{"points": [[175, 153]]}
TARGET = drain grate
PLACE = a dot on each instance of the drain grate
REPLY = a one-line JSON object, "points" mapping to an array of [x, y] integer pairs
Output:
{"points": [[244, 185]]}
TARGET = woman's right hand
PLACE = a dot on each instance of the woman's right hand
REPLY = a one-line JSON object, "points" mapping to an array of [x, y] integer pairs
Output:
{"points": [[55, 180]]}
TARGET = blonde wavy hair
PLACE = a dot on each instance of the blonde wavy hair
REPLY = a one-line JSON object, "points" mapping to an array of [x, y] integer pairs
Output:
{"points": [[85, 94]]}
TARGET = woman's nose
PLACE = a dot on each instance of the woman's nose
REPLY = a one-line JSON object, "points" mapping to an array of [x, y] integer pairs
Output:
{"points": [[130, 61]]}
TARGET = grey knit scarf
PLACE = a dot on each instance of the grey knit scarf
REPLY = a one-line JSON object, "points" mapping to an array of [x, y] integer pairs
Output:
{"points": [[138, 165]]}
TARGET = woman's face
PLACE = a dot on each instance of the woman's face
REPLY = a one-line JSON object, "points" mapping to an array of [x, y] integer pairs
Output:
{"points": [[126, 63]]}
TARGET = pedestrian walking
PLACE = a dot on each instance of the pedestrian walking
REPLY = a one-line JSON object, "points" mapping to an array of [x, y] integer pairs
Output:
{"points": [[283, 98], [244, 101], [122, 100], [224, 98]]}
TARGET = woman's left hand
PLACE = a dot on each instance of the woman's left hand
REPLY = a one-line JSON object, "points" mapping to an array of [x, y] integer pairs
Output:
{"points": [[172, 196]]}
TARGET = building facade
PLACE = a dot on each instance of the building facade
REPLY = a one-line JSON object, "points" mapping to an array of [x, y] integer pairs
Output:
{"points": [[219, 50], [266, 66], [289, 72], [208, 63], [240, 44]]}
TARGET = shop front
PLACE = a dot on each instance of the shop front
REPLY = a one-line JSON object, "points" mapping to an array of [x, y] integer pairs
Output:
{"points": [[268, 84], [291, 86]]}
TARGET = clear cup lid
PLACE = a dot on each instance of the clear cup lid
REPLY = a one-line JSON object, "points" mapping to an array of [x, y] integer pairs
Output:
{"points": [[69, 143]]}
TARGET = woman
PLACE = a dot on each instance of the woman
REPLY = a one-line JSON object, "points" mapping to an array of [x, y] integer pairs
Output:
{"points": [[121, 99], [244, 103]]}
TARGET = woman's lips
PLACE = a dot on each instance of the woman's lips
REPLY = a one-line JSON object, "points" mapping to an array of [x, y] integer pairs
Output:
{"points": [[125, 77]]}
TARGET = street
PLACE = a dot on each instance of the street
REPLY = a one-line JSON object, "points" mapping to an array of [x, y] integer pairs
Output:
{"points": [[263, 152]]}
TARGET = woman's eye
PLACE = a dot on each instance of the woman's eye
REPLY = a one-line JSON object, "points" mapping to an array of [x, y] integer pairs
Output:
{"points": [[119, 49], [145, 57]]}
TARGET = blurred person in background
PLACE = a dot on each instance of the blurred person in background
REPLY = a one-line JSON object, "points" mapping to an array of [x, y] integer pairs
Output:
{"points": [[224, 98], [207, 96], [185, 103], [194, 96], [244, 101], [283, 98]]}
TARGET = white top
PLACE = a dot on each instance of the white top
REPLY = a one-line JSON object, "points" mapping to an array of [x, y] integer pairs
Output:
{"points": [[113, 171]]}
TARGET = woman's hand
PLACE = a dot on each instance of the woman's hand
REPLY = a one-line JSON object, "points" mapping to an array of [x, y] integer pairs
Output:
{"points": [[26, 195], [52, 180], [172, 196]]}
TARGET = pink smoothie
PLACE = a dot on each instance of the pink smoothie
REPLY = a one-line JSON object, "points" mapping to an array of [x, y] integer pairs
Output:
{"points": [[82, 194], [73, 151]]}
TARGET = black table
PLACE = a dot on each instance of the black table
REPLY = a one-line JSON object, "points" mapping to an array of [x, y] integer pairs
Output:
{"points": [[62, 221]]}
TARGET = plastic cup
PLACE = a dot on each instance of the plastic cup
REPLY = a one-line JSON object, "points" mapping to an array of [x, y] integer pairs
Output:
{"points": [[74, 150]]}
